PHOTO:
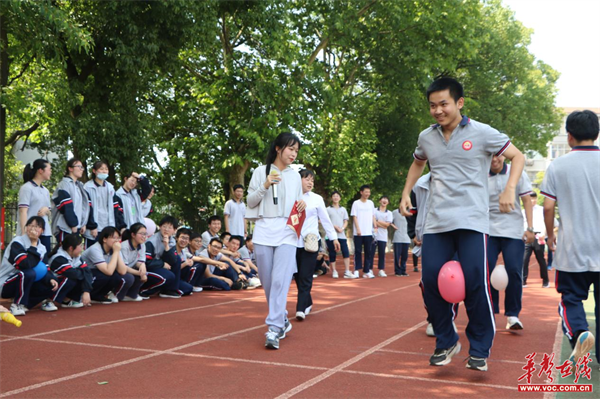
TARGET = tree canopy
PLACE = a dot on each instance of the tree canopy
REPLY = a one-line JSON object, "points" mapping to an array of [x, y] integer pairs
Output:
{"points": [[191, 93]]}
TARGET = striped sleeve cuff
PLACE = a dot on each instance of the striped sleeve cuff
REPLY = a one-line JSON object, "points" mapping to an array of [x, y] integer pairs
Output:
{"points": [[548, 195], [526, 193], [418, 158], [503, 148], [23, 205]]}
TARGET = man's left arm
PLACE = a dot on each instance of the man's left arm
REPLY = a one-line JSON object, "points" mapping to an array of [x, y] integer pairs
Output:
{"points": [[507, 198]]}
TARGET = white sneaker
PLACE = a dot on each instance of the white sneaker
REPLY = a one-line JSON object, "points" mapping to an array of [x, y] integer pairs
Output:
{"points": [[130, 299], [382, 274], [255, 282], [300, 316], [72, 304], [334, 274], [307, 310], [315, 275], [349, 275], [369, 275], [17, 310], [429, 330], [356, 275], [112, 297], [49, 306], [197, 289], [513, 323]]}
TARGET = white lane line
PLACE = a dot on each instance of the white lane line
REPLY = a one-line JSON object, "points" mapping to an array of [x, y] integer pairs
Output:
{"points": [[435, 381], [348, 363], [556, 349], [151, 355], [426, 354]]}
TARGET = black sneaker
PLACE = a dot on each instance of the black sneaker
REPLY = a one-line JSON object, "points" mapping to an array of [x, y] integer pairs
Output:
{"points": [[442, 357], [477, 363], [416, 270], [169, 294], [103, 301]]}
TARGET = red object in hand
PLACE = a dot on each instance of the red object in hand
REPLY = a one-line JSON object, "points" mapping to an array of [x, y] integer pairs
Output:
{"points": [[296, 219]]}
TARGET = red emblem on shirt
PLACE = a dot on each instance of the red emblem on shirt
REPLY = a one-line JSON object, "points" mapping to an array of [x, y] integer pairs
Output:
{"points": [[467, 145]]}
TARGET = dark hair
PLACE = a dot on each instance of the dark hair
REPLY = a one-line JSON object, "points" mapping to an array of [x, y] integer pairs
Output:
{"points": [[384, 196], [107, 232], [533, 194], [127, 234], [306, 172], [282, 141], [169, 220], [236, 186], [239, 238], [441, 84], [213, 218], [583, 125], [185, 231], [364, 186], [38, 219], [335, 192], [70, 164], [69, 241], [195, 235], [30, 171], [217, 240], [97, 165], [225, 234], [249, 237]]}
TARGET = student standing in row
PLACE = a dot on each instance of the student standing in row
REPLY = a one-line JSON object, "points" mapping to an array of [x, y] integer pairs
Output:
{"points": [[460, 152], [572, 183], [274, 242], [306, 261], [34, 199], [537, 247], [339, 217], [401, 242], [506, 237], [105, 204], [71, 212], [235, 213], [364, 224], [383, 220], [134, 211]]}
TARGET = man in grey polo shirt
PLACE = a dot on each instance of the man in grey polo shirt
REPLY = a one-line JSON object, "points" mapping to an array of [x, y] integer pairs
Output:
{"points": [[506, 236], [460, 152], [235, 213], [573, 183]]}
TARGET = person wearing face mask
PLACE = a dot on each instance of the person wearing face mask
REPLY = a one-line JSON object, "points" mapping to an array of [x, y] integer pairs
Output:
{"points": [[71, 210], [130, 201], [105, 204]]}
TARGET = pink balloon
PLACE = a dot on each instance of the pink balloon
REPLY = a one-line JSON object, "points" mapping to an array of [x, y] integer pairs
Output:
{"points": [[451, 282], [150, 226]]}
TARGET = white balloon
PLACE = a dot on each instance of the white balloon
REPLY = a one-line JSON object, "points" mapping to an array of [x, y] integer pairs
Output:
{"points": [[499, 278], [150, 226]]}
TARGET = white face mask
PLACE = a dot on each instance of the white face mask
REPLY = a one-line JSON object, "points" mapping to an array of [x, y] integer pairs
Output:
{"points": [[102, 176]]}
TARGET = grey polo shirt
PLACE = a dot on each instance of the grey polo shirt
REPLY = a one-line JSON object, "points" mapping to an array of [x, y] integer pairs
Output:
{"points": [[338, 216], [237, 213], [205, 254], [459, 174], [508, 225], [382, 233], [34, 197], [573, 181], [131, 255], [95, 255], [400, 235], [206, 237]]}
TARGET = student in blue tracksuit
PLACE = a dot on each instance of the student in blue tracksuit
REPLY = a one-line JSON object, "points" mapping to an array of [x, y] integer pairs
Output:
{"points": [[134, 207], [105, 203], [460, 152], [23, 275], [65, 261], [71, 210], [572, 183], [34, 199]]}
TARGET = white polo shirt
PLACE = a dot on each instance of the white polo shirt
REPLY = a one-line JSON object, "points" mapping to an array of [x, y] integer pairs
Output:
{"points": [[363, 212]]}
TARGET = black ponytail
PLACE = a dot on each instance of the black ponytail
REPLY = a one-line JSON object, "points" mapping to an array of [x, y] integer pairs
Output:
{"points": [[70, 241], [286, 139], [127, 234], [70, 164], [30, 171]]}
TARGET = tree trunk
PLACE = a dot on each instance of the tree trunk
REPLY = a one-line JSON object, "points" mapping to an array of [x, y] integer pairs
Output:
{"points": [[236, 176]]}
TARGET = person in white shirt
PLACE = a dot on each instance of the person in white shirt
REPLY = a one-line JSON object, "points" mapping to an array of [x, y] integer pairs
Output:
{"points": [[383, 219], [235, 213], [538, 246], [364, 223], [315, 212], [339, 217]]}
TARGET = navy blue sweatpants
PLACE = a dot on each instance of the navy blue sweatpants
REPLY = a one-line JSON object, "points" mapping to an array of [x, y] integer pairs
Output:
{"points": [[27, 292], [574, 288], [512, 253], [471, 246], [359, 242], [400, 257]]}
